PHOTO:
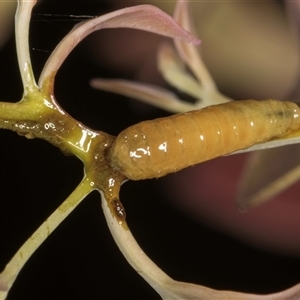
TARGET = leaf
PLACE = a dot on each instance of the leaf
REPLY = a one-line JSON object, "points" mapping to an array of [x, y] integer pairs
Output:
{"points": [[267, 173], [174, 72], [143, 17], [189, 53], [147, 93]]}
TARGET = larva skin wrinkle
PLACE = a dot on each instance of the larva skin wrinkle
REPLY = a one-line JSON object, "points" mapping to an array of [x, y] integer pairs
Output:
{"points": [[152, 149]]}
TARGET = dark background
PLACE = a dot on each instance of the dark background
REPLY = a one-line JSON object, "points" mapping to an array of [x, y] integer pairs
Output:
{"points": [[80, 260]]}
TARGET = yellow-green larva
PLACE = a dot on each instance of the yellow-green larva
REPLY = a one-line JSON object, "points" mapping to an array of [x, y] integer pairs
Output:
{"points": [[152, 149]]}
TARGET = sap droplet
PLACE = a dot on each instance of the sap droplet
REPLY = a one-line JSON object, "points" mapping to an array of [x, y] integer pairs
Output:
{"points": [[118, 209]]}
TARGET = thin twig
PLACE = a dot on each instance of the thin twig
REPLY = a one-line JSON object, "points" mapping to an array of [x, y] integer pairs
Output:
{"points": [[22, 21], [12, 269]]}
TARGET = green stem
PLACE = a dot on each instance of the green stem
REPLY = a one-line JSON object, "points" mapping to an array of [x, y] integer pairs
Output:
{"points": [[12, 269]]}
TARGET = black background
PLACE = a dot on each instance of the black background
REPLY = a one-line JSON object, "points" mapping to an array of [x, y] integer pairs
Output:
{"points": [[80, 260]]}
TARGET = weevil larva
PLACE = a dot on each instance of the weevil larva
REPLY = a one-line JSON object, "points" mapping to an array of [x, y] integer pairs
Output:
{"points": [[155, 148]]}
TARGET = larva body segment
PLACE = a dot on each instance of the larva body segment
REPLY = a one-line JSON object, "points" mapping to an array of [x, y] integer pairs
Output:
{"points": [[152, 149]]}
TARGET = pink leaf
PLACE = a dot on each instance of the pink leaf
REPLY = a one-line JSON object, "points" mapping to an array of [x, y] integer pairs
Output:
{"points": [[147, 93], [143, 17], [189, 53]]}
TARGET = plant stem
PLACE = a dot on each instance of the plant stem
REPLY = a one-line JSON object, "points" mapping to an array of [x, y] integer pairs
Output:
{"points": [[12, 269], [22, 21], [136, 257]]}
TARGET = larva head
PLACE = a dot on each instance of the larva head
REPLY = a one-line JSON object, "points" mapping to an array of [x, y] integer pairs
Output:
{"points": [[128, 150], [149, 149]]}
